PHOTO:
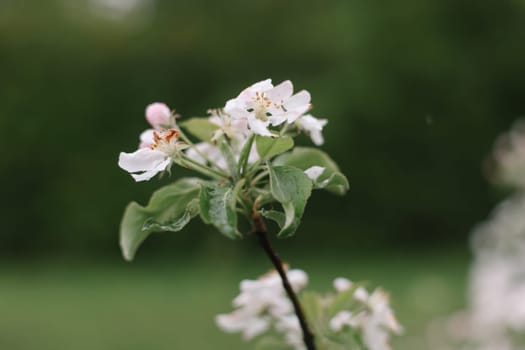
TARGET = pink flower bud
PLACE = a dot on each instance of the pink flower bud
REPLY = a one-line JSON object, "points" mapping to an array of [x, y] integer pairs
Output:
{"points": [[158, 115]]}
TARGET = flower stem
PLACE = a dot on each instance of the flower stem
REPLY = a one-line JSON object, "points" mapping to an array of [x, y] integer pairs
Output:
{"points": [[264, 241], [203, 169]]}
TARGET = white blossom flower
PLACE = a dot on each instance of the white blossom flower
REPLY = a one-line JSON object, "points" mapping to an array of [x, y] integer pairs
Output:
{"points": [[375, 322], [313, 127], [232, 128], [314, 172], [146, 162], [289, 326], [361, 295], [263, 303], [263, 105]]}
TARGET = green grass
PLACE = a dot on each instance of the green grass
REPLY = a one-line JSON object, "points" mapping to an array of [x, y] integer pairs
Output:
{"points": [[171, 305]]}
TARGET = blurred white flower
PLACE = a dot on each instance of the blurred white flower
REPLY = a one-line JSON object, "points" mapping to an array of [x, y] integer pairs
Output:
{"points": [[290, 327], [375, 322], [263, 105], [313, 127], [342, 284], [361, 295], [263, 303], [495, 317], [244, 322]]}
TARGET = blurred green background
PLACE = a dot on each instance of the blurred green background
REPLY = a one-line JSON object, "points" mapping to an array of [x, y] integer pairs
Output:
{"points": [[415, 93]]}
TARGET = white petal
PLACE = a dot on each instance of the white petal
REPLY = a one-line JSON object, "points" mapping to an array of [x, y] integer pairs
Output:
{"points": [[313, 127], [259, 127], [237, 112], [278, 119], [262, 85], [145, 176], [297, 105], [146, 161], [343, 318], [281, 92], [146, 138], [314, 172], [317, 138]]}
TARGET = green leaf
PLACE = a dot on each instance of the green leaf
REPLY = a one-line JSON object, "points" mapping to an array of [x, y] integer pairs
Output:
{"points": [[305, 157], [274, 215], [217, 207], [169, 209], [268, 147], [292, 188], [201, 128]]}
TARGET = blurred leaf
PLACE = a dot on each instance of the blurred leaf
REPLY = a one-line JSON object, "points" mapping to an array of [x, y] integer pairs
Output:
{"points": [[169, 209], [201, 128], [268, 147], [306, 157], [292, 188], [217, 207]]}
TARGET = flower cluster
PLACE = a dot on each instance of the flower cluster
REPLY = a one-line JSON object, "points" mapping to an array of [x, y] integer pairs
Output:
{"points": [[263, 305], [495, 317], [251, 169], [371, 316], [261, 109], [352, 312]]}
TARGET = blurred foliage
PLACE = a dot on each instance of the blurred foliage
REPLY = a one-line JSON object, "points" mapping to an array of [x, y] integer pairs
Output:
{"points": [[415, 91]]}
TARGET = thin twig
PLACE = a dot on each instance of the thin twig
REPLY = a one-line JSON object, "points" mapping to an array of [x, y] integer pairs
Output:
{"points": [[262, 234]]}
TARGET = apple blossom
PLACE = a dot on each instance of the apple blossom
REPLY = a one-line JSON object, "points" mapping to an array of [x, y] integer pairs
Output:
{"points": [[375, 321], [146, 162], [246, 153], [262, 105], [262, 304]]}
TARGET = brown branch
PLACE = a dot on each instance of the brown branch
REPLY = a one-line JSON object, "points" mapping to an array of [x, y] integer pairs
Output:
{"points": [[262, 234]]}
